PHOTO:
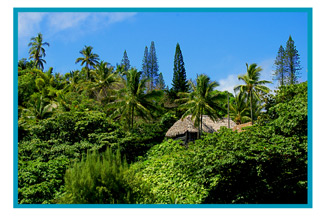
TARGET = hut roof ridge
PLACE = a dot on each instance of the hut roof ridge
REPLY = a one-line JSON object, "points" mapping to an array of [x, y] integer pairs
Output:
{"points": [[186, 124]]}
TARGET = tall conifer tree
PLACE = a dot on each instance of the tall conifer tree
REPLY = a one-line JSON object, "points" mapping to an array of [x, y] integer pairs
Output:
{"points": [[153, 67], [160, 85], [125, 62], [144, 63], [292, 61], [280, 70], [179, 81]]}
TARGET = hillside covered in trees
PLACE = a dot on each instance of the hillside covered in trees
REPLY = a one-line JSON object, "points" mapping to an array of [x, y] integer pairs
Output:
{"points": [[97, 135]]}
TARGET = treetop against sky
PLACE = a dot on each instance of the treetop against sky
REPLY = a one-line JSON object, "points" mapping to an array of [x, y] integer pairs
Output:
{"points": [[214, 43]]}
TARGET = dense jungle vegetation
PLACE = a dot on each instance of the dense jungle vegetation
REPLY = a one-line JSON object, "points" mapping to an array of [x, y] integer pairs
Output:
{"points": [[98, 135]]}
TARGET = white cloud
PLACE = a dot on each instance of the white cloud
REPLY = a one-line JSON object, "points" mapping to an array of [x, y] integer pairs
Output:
{"points": [[53, 22], [229, 83], [61, 21], [118, 17], [231, 80], [28, 23]]}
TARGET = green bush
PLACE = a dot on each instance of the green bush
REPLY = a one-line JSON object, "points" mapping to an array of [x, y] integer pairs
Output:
{"points": [[26, 86], [287, 110], [169, 172], [265, 164], [70, 126], [256, 166], [103, 179], [40, 182]]}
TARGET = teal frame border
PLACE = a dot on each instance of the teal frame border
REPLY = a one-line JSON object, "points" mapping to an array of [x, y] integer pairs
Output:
{"points": [[309, 12]]}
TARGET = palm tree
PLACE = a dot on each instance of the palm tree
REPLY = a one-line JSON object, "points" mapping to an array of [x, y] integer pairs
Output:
{"points": [[40, 108], [120, 69], [202, 100], [253, 86], [104, 78], [46, 83], [239, 109], [74, 80], [37, 51], [89, 58], [257, 107], [132, 100]]}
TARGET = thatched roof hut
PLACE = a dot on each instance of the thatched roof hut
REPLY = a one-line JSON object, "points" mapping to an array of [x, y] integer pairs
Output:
{"points": [[185, 129]]}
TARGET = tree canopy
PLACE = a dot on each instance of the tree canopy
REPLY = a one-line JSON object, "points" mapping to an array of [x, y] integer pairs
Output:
{"points": [[97, 135]]}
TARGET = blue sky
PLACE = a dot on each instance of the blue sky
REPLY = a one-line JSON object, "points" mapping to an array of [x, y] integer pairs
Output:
{"points": [[214, 43]]}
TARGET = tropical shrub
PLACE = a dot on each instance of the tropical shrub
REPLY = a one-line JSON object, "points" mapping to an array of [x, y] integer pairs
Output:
{"points": [[26, 86], [69, 135], [267, 163], [103, 179], [287, 110], [256, 166], [40, 182]]}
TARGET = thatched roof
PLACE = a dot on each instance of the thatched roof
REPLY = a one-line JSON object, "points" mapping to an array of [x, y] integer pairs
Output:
{"points": [[209, 126]]}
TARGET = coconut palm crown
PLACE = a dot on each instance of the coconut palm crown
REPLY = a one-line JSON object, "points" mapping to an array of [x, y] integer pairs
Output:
{"points": [[202, 100], [239, 110], [37, 51], [89, 58], [253, 86], [133, 100], [104, 79]]}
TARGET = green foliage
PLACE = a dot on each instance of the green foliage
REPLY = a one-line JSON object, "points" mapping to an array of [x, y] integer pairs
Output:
{"points": [[202, 100], [39, 182], [39, 108], [70, 126], [287, 110], [63, 123], [256, 166], [76, 102], [103, 179], [292, 61], [138, 141], [24, 64], [287, 64], [37, 50], [89, 58], [133, 100], [165, 170], [104, 79], [267, 163], [145, 63], [179, 81], [281, 70], [253, 87], [51, 144], [67, 136], [26, 86], [152, 68], [160, 84], [125, 61], [239, 109]]}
